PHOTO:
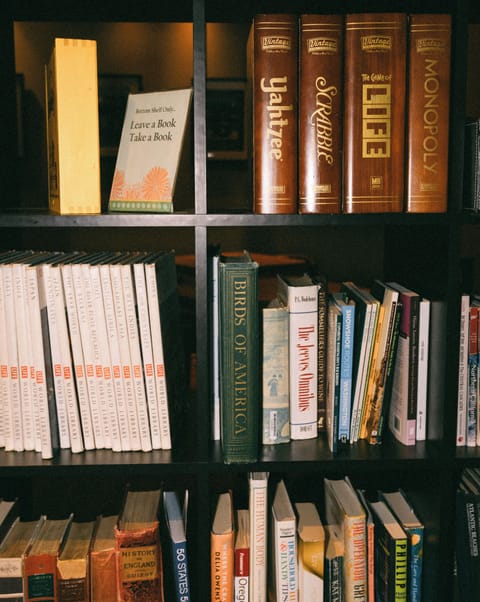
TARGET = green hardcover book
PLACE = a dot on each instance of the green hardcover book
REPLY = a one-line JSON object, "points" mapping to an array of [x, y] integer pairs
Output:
{"points": [[239, 357]]}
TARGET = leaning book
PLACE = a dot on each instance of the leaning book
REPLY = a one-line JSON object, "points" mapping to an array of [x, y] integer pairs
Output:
{"points": [[149, 153]]}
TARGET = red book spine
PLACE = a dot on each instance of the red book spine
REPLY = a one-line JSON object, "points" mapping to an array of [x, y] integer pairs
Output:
{"points": [[274, 59], [320, 113], [374, 113], [428, 113]]}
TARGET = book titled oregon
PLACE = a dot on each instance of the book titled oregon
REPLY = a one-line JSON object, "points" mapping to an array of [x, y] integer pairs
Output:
{"points": [[273, 77], [320, 113], [428, 113], [374, 112], [239, 357]]}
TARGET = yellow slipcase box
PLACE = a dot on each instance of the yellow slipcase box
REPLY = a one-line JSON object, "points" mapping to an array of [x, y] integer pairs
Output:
{"points": [[73, 145]]}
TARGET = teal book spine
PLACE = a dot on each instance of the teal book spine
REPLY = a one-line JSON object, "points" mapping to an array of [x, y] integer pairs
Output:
{"points": [[239, 358]]}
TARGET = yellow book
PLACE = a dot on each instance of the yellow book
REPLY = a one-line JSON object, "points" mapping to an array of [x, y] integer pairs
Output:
{"points": [[311, 553], [73, 140]]}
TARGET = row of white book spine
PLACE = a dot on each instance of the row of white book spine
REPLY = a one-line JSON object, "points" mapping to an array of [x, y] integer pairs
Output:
{"points": [[100, 316]]}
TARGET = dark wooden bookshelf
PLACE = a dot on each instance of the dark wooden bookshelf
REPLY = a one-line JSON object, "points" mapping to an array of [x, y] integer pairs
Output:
{"points": [[424, 250]]}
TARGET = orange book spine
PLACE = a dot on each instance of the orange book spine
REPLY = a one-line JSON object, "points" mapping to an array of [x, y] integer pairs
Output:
{"points": [[320, 113], [428, 113], [139, 565], [41, 583], [274, 59], [103, 576], [374, 113], [222, 566]]}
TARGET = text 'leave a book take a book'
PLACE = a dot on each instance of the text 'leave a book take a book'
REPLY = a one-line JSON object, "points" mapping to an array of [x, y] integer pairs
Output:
{"points": [[150, 150]]}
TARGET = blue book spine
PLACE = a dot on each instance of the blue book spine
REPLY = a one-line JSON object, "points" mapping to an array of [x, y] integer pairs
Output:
{"points": [[180, 571], [416, 563], [346, 368]]}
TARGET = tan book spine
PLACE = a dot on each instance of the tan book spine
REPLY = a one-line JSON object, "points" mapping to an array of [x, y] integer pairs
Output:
{"points": [[274, 56], [374, 114], [320, 113], [428, 113]]}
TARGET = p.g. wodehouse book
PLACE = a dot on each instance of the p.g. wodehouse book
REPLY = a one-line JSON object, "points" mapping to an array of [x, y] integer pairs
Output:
{"points": [[300, 295], [149, 152], [73, 140], [239, 357]]}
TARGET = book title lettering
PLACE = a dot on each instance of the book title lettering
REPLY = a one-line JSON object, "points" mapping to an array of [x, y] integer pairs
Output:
{"points": [[431, 88], [321, 120], [141, 129], [376, 116], [306, 347], [400, 567], [276, 88]]}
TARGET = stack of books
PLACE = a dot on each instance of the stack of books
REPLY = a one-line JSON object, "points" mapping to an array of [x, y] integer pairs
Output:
{"points": [[106, 559], [362, 548], [350, 113], [91, 357]]}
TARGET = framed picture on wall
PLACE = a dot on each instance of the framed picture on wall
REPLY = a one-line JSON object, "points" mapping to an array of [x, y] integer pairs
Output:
{"points": [[113, 90], [226, 119]]}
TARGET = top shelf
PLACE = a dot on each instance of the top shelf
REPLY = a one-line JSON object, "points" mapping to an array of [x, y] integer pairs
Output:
{"points": [[215, 10]]}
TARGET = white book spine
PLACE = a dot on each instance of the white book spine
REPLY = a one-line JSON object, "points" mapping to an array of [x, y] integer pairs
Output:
{"points": [[77, 357], [22, 321], [158, 357], [463, 371], [216, 349], [96, 356], [23, 354], [422, 379], [39, 363], [46, 289], [112, 335], [135, 355], [6, 426], [16, 443], [303, 327], [116, 280], [88, 354], [110, 406], [258, 504], [71, 402], [147, 354], [285, 560]]}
